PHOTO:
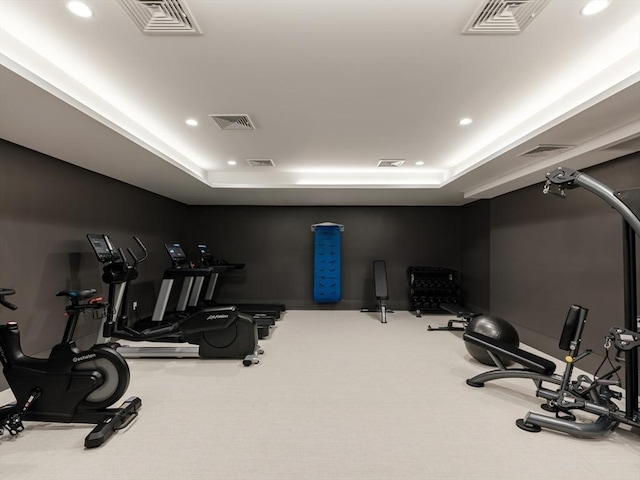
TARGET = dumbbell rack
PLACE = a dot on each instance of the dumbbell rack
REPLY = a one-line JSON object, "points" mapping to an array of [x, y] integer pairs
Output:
{"points": [[431, 286]]}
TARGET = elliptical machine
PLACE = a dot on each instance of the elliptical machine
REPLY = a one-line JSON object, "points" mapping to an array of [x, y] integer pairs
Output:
{"points": [[263, 315], [265, 311], [221, 332], [70, 386]]}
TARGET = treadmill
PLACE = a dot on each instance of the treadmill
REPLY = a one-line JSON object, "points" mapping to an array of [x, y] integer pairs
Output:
{"points": [[257, 310]]}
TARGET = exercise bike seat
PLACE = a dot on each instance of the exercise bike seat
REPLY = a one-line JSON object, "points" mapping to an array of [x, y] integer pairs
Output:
{"points": [[77, 295]]}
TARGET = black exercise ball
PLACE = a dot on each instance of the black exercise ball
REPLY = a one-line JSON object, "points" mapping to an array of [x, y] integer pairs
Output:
{"points": [[493, 327]]}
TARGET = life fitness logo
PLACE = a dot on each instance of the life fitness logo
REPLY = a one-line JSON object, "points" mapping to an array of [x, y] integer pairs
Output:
{"points": [[218, 316], [84, 357]]}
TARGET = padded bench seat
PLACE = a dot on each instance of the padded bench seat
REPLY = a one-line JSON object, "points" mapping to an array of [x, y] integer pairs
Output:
{"points": [[526, 359]]}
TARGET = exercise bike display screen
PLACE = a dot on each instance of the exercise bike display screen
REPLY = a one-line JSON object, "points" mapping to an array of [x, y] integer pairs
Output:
{"points": [[101, 247]]}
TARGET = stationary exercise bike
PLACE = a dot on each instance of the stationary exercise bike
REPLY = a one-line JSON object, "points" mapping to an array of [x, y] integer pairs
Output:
{"points": [[71, 385]]}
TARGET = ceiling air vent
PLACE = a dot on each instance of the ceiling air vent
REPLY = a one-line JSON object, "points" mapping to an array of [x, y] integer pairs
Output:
{"points": [[546, 150], [390, 163], [161, 16], [504, 16], [261, 162], [233, 122]]}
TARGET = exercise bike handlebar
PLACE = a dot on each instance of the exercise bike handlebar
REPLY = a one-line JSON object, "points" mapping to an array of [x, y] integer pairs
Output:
{"points": [[5, 292]]}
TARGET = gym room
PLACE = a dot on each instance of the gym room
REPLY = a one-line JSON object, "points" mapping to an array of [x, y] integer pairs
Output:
{"points": [[319, 239]]}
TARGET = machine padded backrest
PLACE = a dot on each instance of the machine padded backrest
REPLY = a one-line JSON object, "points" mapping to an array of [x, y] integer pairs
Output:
{"points": [[380, 279], [526, 359], [571, 325]]}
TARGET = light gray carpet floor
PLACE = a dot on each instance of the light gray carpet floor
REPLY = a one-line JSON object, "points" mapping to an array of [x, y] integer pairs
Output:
{"points": [[337, 396]]}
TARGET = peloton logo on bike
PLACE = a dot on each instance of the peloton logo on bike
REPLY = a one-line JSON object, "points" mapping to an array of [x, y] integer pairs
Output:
{"points": [[84, 357], [217, 316]]}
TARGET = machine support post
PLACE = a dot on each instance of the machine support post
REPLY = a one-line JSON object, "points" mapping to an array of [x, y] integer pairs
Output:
{"points": [[630, 319]]}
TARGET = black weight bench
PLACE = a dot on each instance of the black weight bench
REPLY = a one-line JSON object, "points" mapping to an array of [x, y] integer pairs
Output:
{"points": [[463, 315], [535, 367], [533, 364], [380, 289]]}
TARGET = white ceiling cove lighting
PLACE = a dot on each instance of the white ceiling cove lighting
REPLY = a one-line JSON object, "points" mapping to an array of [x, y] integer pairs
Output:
{"points": [[231, 162], [327, 125], [594, 6], [80, 9]]}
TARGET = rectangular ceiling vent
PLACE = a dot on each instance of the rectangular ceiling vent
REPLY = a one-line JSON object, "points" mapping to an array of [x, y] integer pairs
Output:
{"points": [[160, 17], [233, 122], [261, 162], [504, 16], [390, 163], [546, 150]]}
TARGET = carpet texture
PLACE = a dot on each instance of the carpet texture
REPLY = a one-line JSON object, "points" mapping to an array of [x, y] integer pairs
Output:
{"points": [[336, 396]]}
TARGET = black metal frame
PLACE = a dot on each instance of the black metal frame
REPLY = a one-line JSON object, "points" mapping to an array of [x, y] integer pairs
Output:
{"points": [[627, 204]]}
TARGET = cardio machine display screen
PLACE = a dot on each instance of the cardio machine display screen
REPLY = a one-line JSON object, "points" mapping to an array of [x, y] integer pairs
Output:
{"points": [[100, 246], [175, 251], [204, 250]]}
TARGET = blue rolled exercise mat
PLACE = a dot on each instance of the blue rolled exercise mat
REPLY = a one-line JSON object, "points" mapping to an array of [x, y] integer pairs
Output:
{"points": [[327, 283]]}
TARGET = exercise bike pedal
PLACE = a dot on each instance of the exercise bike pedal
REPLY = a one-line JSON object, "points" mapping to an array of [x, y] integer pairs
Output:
{"points": [[12, 423]]}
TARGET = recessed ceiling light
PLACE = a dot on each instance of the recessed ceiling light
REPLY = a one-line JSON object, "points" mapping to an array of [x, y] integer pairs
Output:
{"points": [[192, 122], [80, 9], [231, 162], [594, 6], [420, 162], [465, 121]]}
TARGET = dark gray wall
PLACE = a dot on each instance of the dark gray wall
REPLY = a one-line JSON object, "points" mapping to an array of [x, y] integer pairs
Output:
{"points": [[476, 246], [522, 256], [547, 253], [46, 209], [276, 243]]}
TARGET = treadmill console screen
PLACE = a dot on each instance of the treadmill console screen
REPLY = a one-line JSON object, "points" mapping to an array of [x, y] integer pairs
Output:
{"points": [[178, 257], [205, 254]]}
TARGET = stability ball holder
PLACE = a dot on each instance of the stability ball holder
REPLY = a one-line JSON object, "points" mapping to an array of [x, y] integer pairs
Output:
{"points": [[493, 327]]}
